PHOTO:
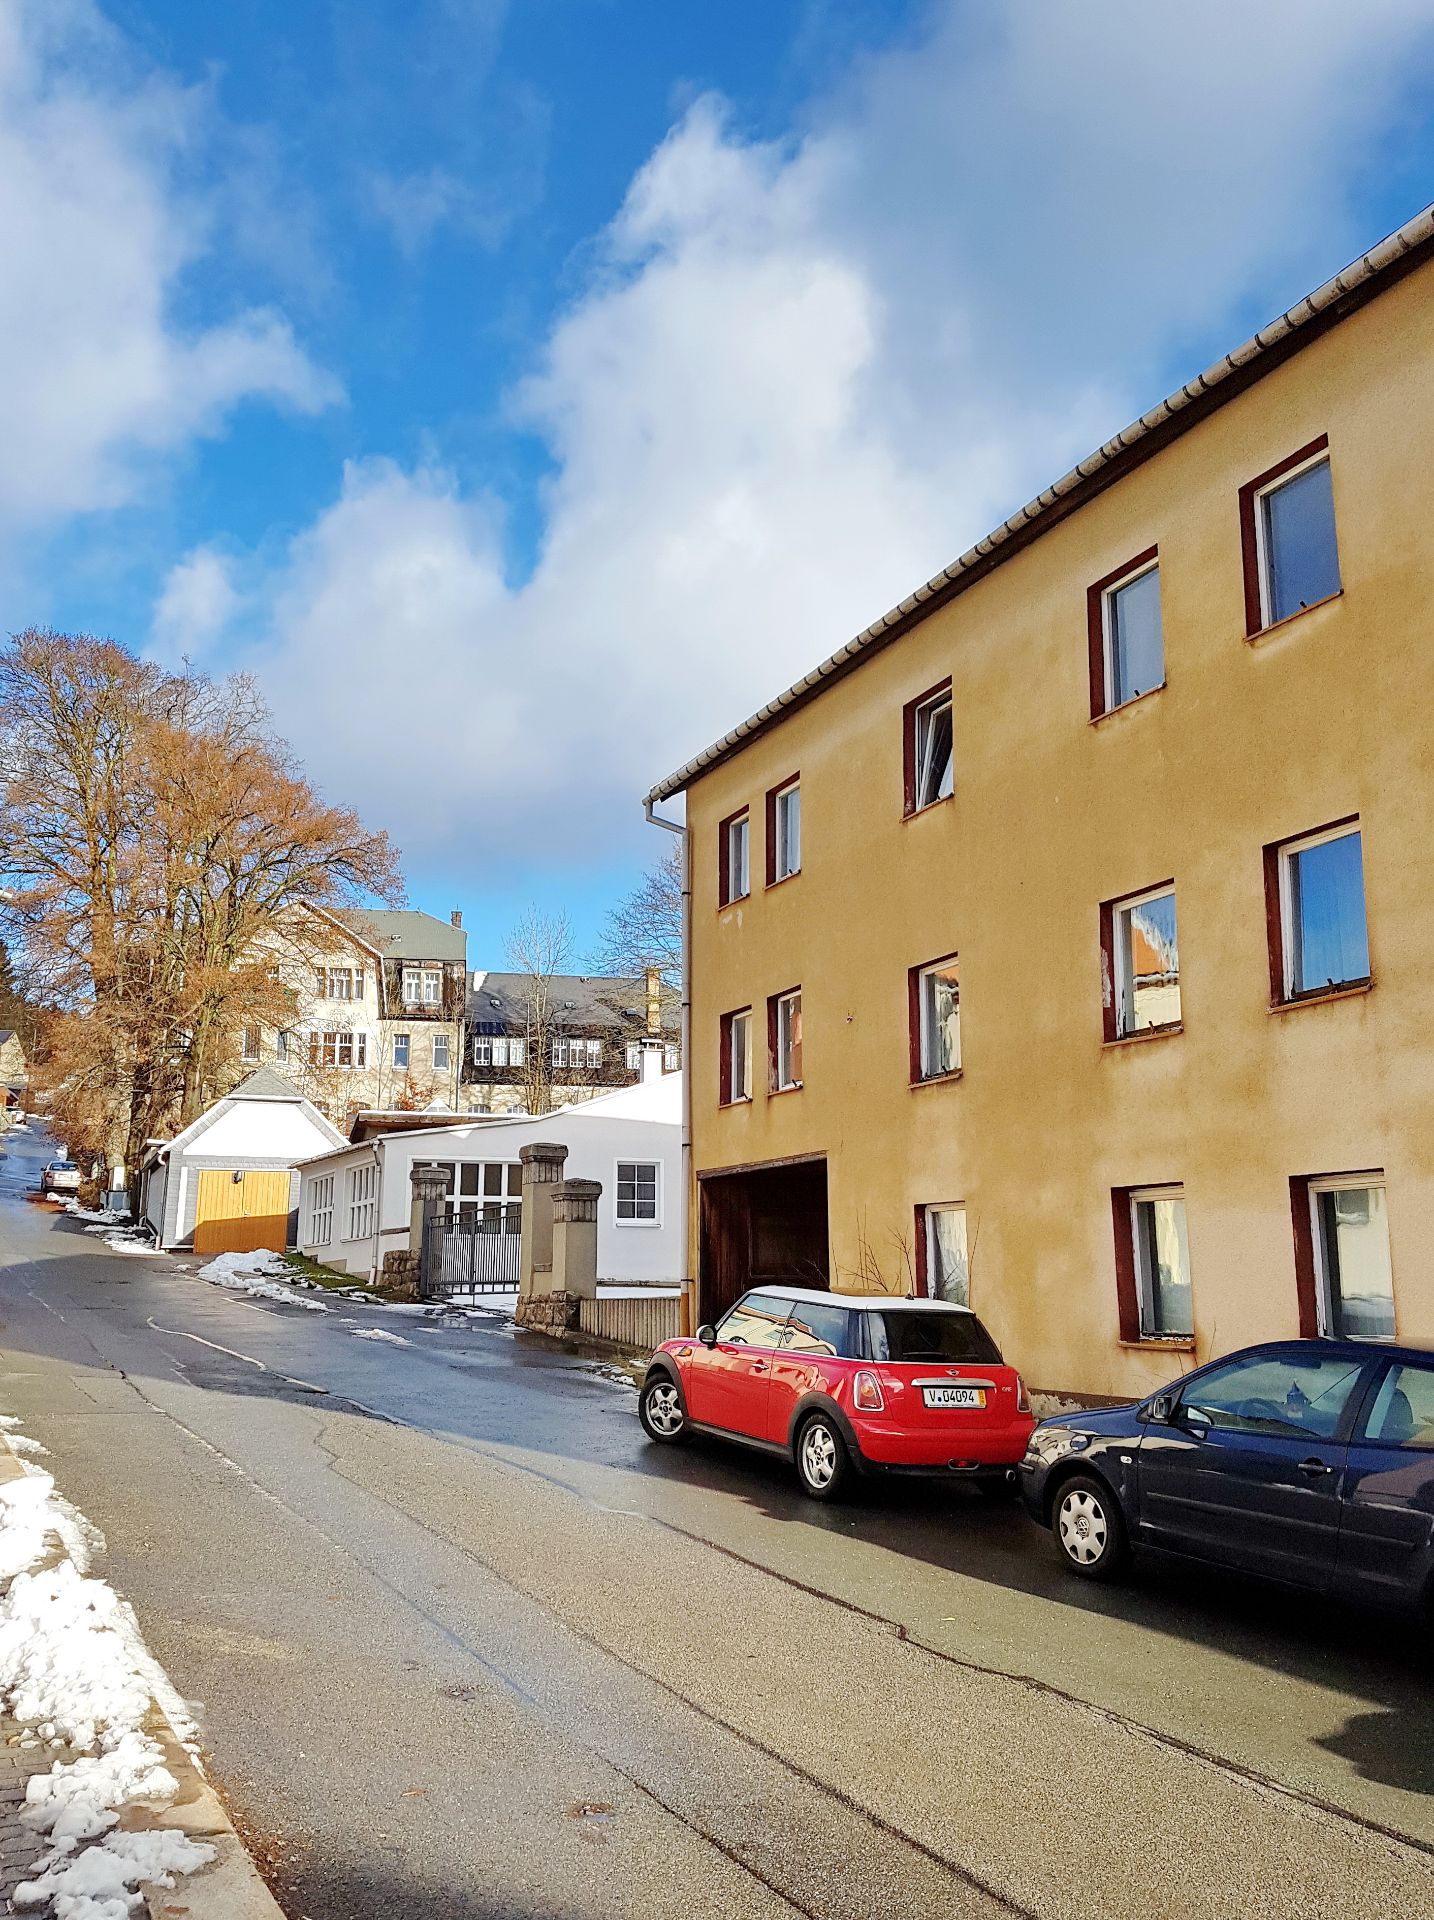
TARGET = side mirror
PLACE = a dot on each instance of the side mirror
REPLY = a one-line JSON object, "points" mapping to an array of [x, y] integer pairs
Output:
{"points": [[707, 1335], [1161, 1408]]}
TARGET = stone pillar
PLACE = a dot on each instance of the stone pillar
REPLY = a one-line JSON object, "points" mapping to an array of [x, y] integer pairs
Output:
{"points": [[542, 1171], [575, 1211], [429, 1189]]}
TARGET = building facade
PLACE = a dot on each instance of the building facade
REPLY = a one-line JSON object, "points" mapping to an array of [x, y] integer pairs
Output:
{"points": [[1066, 944], [377, 1019], [563, 1039]]}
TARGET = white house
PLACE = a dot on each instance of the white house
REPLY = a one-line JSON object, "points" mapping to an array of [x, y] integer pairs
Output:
{"points": [[228, 1182], [355, 1203]]}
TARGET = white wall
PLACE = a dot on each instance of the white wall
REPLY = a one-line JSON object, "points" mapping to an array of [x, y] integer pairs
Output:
{"points": [[596, 1140], [277, 1130]]}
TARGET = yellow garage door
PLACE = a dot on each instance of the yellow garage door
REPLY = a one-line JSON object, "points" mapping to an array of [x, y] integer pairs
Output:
{"points": [[239, 1212]]}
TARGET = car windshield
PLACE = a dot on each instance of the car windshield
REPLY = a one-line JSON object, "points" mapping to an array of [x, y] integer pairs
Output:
{"points": [[930, 1336], [63, 1166]]}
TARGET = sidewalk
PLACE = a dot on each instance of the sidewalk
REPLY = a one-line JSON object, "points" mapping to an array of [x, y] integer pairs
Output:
{"points": [[187, 1827]]}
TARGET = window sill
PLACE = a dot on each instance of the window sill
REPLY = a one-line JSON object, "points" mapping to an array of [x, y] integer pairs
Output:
{"points": [[794, 1086], [918, 813], [1278, 626], [740, 899], [1141, 1035], [1157, 1345], [742, 1100], [1136, 700], [936, 1079], [782, 878], [1352, 992]]}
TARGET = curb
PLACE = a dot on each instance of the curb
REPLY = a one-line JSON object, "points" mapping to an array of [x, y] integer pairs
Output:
{"points": [[230, 1887]]}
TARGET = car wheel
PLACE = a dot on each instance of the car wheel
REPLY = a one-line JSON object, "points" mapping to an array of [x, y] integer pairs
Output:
{"points": [[660, 1409], [823, 1462], [1088, 1528]]}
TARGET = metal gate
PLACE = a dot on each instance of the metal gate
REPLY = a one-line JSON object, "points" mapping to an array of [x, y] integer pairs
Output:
{"points": [[466, 1254]]}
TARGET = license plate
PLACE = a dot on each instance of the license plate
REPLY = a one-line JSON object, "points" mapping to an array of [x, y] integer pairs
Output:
{"points": [[954, 1396]]}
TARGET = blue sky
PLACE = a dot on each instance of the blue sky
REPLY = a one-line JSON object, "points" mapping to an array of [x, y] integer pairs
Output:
{"points": [[525, 393]]}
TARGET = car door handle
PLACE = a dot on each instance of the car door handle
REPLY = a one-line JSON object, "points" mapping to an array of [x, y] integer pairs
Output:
{"points": [[759, 1366], [1312, 1469]]}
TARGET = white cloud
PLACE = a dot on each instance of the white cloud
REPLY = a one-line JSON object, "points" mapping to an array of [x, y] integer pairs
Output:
{"points": [[196, 604], [805, 374], [96, 235]]}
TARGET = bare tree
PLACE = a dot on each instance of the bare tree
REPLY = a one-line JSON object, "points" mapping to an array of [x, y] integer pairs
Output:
{"points": [[540, 949], [644, 929]]}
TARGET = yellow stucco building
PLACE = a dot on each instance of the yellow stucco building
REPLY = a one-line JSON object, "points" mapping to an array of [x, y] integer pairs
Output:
{"points": [[1066, 942]]}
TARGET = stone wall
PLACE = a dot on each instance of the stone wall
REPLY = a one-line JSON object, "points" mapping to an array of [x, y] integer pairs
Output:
{"points": [[549, 1312]]}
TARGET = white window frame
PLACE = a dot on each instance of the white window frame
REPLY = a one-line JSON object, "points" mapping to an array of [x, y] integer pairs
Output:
{"points": [[362, 1201], [442, 1040], [1288, 852], [1324, 1304], [739, 835], [1262, 532], [739, 1021], [786, 844], [632, 1056], [925, 1013], [1145, 1280], [421, 986], [921, 737], [929, 1211], [343, 983], [321, 1211], [784, 1003], [402, 1044], [671, 1056], [517, 1051], [1123, 977], [1107, 629], [618, 1218]]}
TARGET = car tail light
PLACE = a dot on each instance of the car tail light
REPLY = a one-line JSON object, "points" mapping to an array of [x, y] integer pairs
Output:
{"points": [[1023, 1403], [866, 1393]]}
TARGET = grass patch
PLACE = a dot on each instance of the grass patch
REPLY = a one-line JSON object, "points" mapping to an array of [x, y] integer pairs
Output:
{"points": [[317, 1276]]}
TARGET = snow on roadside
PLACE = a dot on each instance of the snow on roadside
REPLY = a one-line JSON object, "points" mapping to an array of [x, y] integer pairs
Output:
{"points": [[75, 1671], [102, 1216], [378, 1333], [250, 1273]]}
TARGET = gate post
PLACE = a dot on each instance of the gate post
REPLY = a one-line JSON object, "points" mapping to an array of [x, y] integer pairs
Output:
{"points": [[575, 1210], [430, 1189], [542, 1170]]}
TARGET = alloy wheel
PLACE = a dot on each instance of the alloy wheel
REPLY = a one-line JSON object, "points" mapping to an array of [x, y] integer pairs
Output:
{"points": [[664, 1409], [1084, 1529], [819, 1456]]}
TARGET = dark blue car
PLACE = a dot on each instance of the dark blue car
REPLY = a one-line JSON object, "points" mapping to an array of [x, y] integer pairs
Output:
{"points": [[1307, 1461]]}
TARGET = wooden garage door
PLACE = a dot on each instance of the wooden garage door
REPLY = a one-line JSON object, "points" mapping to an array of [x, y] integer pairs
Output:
{"points": [[239, 1212]]}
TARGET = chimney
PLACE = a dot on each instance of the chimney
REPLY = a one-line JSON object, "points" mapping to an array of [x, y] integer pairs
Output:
{"points": [[654, 1001], [456, 917], [651, 1060]]}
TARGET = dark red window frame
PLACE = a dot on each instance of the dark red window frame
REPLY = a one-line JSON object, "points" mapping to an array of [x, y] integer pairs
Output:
{"points": [[908, 745], [1095, 625], [1127, 1292], [782, 786], [1306, 1278], [725, 897], [1249, 530], [724, 1075], [913, 1021], [1110, 1025], [772, 999], [1274, 914]]}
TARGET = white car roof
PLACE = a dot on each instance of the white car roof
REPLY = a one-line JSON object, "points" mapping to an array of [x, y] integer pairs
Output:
{"points": [[866, 1301]]}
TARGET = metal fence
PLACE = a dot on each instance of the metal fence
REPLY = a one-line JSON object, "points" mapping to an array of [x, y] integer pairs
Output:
{"points": [[464, 1256]]}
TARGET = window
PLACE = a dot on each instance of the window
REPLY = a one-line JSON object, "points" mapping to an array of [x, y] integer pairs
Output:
{"points": [[671, 1057], [784, 832], [251, 1045], [1286, 1397], [756, 1321], [942, 1248], [338, 1048], [784, 1039], [1127, 646], [1403, 1410], [1152, 1264], [400, 1051], [637, 1183], [1140, 963], [906, 1337], [633, 1056], [281, 1044], [440, 1052], [733, 869], [488, 1194], [1314, 899], [735, 1066], [934, 994], [823, 1331], [929, 765], [516, 1051], [341, 983], [321, 1211], [363, 1185], [1342, 1257], [1287, 533], [582, 1055], [423, 986]]}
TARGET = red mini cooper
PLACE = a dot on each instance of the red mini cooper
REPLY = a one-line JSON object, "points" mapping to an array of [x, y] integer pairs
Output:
{"points": [[843, 1385]]}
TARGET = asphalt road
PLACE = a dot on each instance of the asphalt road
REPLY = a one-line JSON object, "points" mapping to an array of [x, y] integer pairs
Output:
{"points": [[461, 1642]]}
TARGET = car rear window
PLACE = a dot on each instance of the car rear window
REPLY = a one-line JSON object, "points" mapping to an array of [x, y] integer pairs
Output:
{"points": [[930, 1336], [64, 1166]]}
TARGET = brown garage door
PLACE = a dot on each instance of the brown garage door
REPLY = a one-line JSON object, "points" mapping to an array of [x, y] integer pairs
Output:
{"points": [[240, 1212]]}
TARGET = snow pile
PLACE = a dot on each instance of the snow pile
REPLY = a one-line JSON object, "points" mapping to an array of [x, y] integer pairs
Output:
{"points": [[378, 1333], [247, 1273], [127, 1243], [102, 1216], [74, 1670]]}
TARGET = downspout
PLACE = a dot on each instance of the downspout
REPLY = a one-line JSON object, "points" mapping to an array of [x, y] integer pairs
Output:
{"points": [[377, 1208], [689, 1284]]}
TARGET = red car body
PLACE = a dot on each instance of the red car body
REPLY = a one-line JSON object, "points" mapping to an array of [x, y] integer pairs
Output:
{"points": [[914, 1386]]}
